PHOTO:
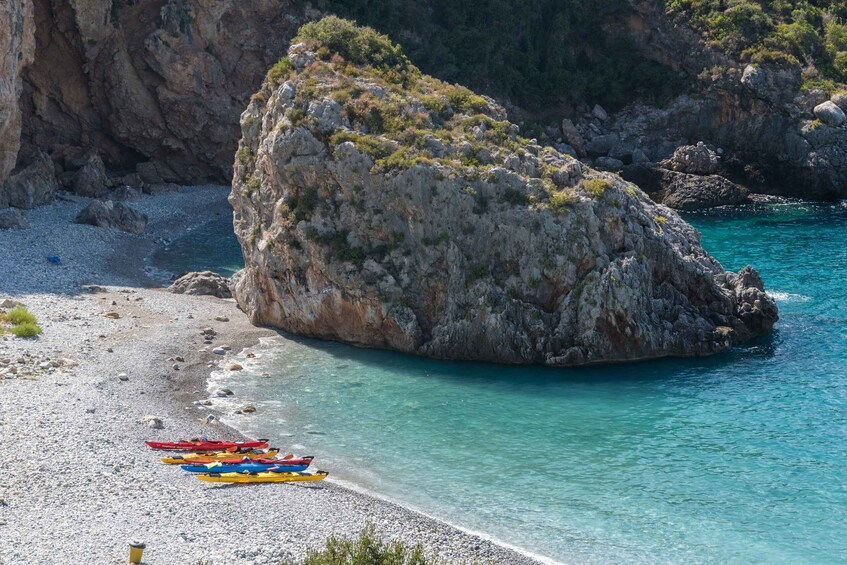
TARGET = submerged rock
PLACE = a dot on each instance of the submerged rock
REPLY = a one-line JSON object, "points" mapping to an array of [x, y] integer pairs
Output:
{"points": [[495, 249]]}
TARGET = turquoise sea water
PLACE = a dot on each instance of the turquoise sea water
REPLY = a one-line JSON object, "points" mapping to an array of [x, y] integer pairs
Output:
{"points": [[210, 247], [739, 458]]}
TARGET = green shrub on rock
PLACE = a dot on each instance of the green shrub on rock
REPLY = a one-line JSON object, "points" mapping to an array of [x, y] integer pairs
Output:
{"points": [[361, 46]]}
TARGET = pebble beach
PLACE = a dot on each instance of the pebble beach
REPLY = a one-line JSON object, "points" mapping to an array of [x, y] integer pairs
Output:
{"points": [[77, 483]]}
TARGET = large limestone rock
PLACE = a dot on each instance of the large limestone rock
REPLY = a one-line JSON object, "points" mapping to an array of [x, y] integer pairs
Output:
{"points": [[830, 114], [91, 179], [695, 192], [693, 159], [497, 250], [683, 191], [109, 214], [203, 283], [34, 185], [17, 47]]}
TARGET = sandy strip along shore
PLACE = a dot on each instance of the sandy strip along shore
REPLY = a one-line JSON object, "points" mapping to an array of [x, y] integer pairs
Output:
{"points": [[76, 481]]}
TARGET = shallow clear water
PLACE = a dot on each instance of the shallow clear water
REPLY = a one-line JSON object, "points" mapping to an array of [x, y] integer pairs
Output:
{"points": [[210, 247], [738, 458]]}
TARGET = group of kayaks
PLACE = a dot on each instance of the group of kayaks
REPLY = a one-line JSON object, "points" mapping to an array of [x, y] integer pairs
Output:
{"points": [[245, 462]]}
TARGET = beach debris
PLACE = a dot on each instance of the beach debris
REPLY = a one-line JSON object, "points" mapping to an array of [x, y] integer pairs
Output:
{"points": [[153, 422], [235, 367], [221, 319], [54, 259]]}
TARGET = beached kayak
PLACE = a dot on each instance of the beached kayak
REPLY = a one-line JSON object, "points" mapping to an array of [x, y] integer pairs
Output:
{"points": [[240, 467], [262, 477], [211, 456], [289, 462], [206, 445]]}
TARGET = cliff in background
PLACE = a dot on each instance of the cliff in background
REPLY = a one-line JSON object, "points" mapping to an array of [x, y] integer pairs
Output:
{"points": [[385, 208], [17, 48], [156, 88]]}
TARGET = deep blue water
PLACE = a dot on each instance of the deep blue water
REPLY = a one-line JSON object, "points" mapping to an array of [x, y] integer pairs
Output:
{"points": [[738, 458]]}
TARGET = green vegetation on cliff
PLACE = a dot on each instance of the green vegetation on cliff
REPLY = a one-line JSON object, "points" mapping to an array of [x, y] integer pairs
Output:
{"points": [[811, 35], [402, 118], [537, 53]]}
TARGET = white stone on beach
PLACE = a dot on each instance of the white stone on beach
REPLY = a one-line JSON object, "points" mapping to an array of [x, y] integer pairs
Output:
{"points": [[153, 422]]}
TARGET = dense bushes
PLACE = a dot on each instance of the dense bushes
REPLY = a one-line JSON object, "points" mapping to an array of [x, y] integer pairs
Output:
{"points": [[20, 321], [368, 549], [361, 46], [812, 35], [536, 53]]}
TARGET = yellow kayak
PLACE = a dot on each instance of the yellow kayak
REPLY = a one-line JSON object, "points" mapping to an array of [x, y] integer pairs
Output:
{"points": [[212, 456], [262, 477]]}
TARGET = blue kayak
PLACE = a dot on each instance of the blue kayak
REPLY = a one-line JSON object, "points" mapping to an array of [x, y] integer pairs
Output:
{"points": [[241, 467]]}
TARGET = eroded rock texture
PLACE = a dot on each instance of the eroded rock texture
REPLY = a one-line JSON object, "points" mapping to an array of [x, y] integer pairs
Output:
{"points": [[389, 210], [17, 48], [156, 81]]}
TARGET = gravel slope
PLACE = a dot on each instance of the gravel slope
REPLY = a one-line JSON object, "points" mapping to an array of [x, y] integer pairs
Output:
{"points": [[76, 502]]}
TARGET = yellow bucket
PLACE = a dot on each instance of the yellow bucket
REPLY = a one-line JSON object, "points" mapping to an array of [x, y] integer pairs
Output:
{"points": [[135, 551]]}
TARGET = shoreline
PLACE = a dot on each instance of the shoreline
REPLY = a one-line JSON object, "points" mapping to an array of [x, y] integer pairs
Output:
{"points": [[96, 469]]}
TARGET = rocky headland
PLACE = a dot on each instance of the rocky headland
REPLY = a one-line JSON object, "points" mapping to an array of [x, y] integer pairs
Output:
{"points": [[385, 208]]}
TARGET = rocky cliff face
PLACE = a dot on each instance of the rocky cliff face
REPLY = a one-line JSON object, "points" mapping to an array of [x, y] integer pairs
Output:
{"points": [[159, 83], [386, 209], [157, 87], [17, 46]]}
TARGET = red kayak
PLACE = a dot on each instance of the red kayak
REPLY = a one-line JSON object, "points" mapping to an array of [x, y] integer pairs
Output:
{"points": [[206, 445]]}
